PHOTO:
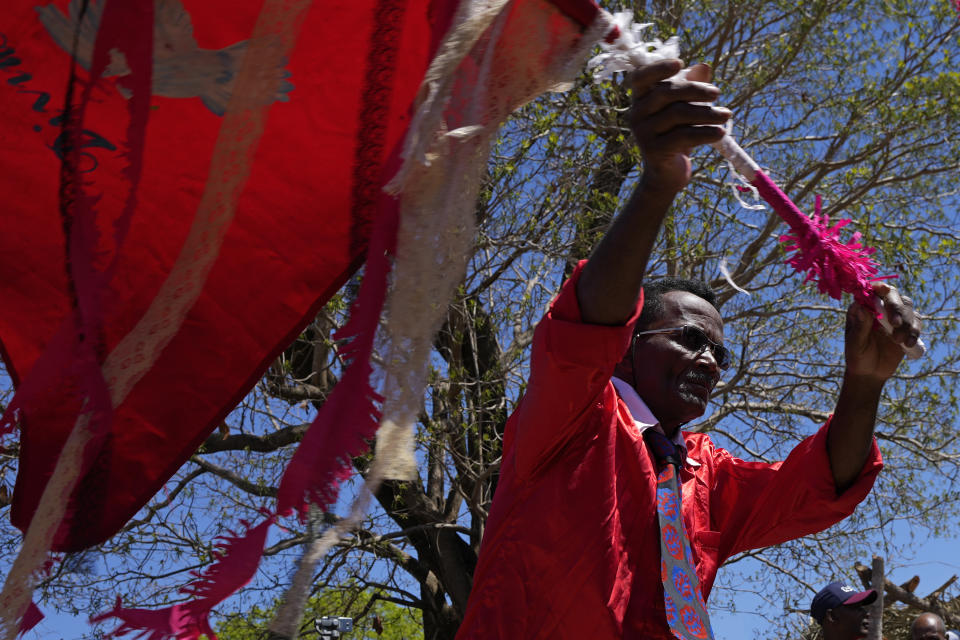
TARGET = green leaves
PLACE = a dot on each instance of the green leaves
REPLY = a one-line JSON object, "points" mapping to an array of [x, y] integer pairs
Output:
{"points": [[367, 607]]}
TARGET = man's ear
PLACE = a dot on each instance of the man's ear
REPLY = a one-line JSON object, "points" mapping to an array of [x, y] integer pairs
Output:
{"points": [[829, 616]]}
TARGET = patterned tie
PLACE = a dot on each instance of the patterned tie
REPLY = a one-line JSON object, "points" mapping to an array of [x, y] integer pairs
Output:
{"points": [[686, 611]]}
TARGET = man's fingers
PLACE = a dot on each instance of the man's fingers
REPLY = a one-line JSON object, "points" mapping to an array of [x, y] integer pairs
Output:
{"points": [[894, 306], [683, 139], [681, 114], [672, 112], [670, 92], [900, 314], [881, 288], [648, 75], [700, 72]]}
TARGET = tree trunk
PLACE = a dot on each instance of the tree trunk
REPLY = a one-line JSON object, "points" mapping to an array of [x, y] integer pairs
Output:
{"points": [[876, 609]]}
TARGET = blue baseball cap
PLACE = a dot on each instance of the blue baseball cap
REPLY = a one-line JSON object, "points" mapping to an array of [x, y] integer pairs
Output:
{"points": [[836, 594]]}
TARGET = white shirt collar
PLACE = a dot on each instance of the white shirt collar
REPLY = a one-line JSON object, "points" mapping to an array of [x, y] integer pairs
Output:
{"points": [[642, 416]]}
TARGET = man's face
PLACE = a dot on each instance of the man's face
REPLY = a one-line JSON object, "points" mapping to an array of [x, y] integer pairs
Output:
{"points": [[927, 627], [674, 380], [847, 622]]}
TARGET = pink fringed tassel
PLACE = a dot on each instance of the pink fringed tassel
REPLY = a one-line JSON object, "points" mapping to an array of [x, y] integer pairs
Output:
{"points": [[837, 267]]}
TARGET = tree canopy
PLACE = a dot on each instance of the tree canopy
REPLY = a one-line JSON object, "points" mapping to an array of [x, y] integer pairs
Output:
{"points": [[856, 101]]}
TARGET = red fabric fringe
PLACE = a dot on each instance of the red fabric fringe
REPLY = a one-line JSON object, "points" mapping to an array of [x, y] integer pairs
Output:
{"points": [[323, 459], [348, 418], [31, 618], [237, 559], [342, 429], [835, 266]]}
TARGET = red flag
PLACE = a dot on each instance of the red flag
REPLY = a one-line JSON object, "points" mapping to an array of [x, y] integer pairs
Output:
{"points": [[305, 195]]}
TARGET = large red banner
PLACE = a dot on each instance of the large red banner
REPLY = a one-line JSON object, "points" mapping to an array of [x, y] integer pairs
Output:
{"points": [[306, 195]]}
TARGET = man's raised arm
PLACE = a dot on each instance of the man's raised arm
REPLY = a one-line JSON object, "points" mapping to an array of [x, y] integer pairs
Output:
{"points": [[872, 357], [667, 122]]}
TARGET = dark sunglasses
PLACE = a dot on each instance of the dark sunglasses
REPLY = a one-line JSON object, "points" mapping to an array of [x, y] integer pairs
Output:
{"points": [[694, 339]]}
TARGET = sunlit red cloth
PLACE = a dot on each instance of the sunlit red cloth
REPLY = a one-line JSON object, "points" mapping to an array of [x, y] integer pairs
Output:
{"points": [[300, 229], [572, 546]]}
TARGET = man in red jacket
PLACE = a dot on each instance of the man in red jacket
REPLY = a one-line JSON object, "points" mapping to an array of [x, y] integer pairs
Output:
{"points": [[572, 544]]}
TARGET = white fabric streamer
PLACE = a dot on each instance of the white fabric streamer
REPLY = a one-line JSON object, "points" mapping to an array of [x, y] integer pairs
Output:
{"points": [[629, 51], [725, 272]]}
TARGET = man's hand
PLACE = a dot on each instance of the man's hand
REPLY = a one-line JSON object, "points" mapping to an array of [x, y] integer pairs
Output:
{"points": [[668, 119], [870, 352]]}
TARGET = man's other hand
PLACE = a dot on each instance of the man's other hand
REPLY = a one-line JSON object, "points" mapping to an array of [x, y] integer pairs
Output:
{"points": [[671, 115], [870, 351]]}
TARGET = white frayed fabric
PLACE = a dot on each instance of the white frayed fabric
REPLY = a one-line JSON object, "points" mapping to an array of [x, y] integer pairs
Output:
{"points": [[741, 187], [742, 168], [499, 56], [629, 50], [465, 132], [725, 272], [471, 21]]}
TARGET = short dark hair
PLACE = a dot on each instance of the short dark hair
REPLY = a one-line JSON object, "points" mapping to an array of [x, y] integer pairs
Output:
{"points": [[653, 297]]}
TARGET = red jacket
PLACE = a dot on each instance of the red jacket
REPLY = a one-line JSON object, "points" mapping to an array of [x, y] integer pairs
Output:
{"points": [[571, 544]]}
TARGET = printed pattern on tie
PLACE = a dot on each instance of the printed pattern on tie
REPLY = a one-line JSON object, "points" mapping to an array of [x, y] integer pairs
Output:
{"points": [[681, 586], [672, 543], [667, 504], [681, 582], [692, 622], [671, 611]]}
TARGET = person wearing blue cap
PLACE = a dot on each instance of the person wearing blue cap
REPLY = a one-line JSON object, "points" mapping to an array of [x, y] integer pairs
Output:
{"points": [[842, 611]]}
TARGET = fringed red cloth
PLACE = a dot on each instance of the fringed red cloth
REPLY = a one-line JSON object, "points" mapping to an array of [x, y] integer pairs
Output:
{"points": [[301, 223], [190, 620]]}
